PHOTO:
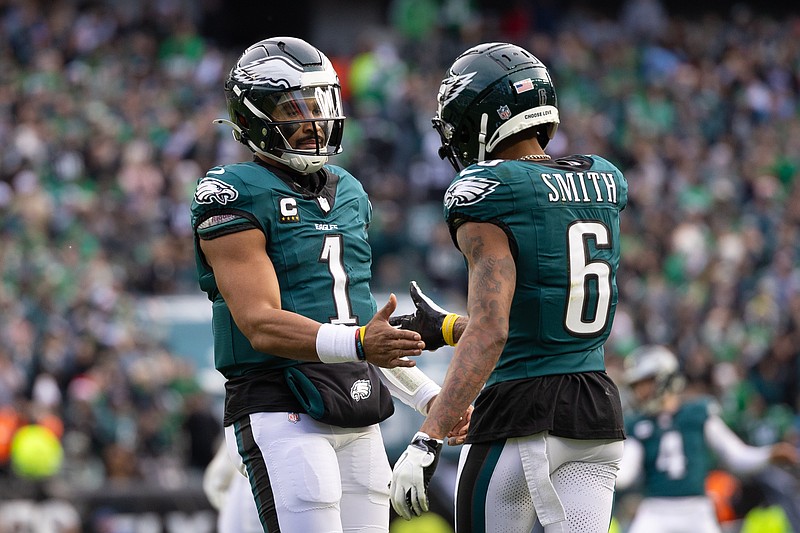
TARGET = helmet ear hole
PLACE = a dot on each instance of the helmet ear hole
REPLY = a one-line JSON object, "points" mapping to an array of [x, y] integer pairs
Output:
{"points": [[241, 121], [542, 136]]}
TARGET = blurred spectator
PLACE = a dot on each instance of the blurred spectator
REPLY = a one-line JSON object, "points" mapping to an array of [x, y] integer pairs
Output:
{"points": [[105, 124]]}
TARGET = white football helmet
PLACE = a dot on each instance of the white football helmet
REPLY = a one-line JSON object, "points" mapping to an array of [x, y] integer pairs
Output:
{"points": [[658, 363]]}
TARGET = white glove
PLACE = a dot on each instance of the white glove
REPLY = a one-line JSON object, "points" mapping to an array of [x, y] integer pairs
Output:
{"points": [[217, 478], [411, 475]]}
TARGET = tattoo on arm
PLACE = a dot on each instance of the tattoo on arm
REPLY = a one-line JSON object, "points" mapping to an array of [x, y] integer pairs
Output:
{"points": [[492, 277]]}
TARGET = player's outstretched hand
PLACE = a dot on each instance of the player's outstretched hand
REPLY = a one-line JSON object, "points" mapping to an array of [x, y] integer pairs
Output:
{"points": [[784, 453], [430, 320], [411, 474], [458, 434], [385, 345]]}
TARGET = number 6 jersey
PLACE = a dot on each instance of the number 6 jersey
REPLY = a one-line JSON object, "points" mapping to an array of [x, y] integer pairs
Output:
{"points": [[562, 223]]}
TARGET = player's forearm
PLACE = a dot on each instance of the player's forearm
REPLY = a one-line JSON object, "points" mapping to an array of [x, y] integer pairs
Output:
{"points": [[282, 333], [735, 454], [472, 364]]}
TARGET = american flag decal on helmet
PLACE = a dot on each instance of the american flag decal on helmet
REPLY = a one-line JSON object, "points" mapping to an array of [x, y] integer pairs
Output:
{"points": [[523, 85]]}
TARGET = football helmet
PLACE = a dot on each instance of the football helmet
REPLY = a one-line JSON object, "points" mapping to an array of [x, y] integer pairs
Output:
{"points": [[278, 86], [658, 363], [491, 92]]}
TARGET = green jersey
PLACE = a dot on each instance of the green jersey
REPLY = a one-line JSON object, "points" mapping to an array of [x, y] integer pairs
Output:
{"points": [[676, 457], [316, 242], [562, 223]]}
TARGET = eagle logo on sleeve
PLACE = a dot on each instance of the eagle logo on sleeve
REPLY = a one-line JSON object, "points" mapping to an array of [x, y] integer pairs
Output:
{"points": [[468, 191], [211, 190]]}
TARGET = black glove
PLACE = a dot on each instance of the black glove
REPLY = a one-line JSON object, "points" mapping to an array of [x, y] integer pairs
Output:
{"points": [[433, 323], [411, 475]]}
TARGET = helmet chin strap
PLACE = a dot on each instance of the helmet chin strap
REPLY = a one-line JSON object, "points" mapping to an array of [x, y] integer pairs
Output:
{"points": [[482, 137], [301, 164]]}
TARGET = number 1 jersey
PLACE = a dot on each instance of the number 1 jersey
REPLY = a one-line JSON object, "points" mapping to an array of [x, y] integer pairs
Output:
{"points": [[316, 242]]}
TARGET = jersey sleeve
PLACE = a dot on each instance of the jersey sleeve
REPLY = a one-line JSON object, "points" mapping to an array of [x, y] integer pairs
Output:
{"points": [[222, 205], [622, 182], [477, 194]]}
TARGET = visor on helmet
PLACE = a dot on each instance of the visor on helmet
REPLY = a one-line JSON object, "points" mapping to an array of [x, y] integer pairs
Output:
{"points": [[319, 107]]}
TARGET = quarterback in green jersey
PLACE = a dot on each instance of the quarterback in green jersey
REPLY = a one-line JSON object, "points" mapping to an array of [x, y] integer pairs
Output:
{"points": [[541, 241], [282, 252], [672, 441]]}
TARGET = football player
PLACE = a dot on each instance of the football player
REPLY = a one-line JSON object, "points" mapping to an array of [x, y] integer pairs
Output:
{"points": [[282, 252], [670, 440], [541, 241]]}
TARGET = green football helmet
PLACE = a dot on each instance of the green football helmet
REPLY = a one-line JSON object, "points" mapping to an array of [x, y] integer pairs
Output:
{"points": [[278, 86], [492, 91]]}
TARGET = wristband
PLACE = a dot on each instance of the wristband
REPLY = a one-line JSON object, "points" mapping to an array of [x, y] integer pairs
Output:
{"points": [[360, 353], [426, 441], [448, 324], [335, 343]]}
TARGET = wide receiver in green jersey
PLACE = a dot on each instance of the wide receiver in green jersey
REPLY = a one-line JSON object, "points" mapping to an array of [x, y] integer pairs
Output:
{"points": [[541, 241], [282, 252], [672, 441]]}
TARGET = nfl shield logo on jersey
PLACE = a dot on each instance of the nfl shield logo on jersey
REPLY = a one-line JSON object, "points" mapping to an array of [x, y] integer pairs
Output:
{"points": [[361, 390], [294, 418]]}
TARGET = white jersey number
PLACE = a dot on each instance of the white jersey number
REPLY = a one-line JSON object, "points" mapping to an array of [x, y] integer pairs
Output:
{"points": [[333, 254], [671, 458], [583, 273]]}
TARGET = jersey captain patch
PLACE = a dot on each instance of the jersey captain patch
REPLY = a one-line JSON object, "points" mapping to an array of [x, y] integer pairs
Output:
{"points": [[469, 191], [211, 190]]}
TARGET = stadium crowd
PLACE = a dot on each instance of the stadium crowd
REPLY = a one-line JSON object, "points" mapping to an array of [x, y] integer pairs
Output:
{"points": [[106, 124]]}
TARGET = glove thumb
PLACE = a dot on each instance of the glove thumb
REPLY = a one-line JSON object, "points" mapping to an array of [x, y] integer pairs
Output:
{"points": [[420, 299], [427, 459]]}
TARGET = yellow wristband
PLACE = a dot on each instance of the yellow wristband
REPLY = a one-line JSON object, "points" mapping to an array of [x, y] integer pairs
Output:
{"points": [[361, 332], [447, 328]]}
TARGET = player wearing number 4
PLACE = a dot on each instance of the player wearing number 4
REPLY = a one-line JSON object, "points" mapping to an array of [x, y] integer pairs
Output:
{"points": [[282, 252], [541, 242], [670, 440]]}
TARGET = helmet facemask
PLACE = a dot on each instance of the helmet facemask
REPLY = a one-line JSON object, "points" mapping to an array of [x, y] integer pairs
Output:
{"points": [[300, 128]]}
